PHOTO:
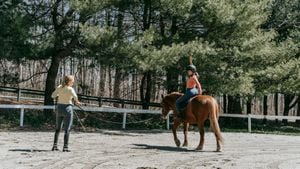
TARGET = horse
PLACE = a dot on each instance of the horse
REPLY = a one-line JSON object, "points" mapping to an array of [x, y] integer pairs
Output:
{"points": [[199, 109]]}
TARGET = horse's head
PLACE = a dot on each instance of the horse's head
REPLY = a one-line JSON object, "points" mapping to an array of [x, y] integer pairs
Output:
{"points": [[168, 103]]}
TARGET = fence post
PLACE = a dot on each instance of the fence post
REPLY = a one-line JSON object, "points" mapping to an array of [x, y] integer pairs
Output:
{"points": [[124, 120], [22, 117], [100, 101], [19, 94], [122, 104], [249, 123], [168, 122]]}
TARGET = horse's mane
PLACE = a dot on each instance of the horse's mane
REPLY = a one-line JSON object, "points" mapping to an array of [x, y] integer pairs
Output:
{"points": [[173, 96]]}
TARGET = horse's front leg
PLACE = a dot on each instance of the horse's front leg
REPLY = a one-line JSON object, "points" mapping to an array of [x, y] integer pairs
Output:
{"points": [[185, 132], [174, 129]]}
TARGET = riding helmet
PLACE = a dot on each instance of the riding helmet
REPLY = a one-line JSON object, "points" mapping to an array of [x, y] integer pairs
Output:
{"points": [[191, 68]]}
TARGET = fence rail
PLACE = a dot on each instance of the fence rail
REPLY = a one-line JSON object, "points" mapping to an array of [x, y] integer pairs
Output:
{"points": [[100, 100], [125, 112]]}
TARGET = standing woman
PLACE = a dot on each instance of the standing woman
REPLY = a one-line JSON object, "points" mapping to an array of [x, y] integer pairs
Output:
{"points": [[193, 88], [64, 95]]}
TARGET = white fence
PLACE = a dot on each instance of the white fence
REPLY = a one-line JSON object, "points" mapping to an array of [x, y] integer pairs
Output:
{"points": [[123, 111], [138, 111]]}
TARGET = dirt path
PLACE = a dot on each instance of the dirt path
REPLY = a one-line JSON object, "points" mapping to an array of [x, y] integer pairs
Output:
{"points": [[117, 149]]}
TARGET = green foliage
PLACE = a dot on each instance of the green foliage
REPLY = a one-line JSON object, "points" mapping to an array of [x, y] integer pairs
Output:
{"points": [[228, 54], [282, 75], [14, 25], [148, 57], [88, 6], [176, 7], [239, 47], [35, 119], [96, 35]]}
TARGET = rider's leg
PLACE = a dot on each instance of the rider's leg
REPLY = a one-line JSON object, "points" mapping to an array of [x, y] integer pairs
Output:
{"points": [[180, 104]]}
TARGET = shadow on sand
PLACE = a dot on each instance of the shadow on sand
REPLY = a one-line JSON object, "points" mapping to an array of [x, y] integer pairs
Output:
{"points": [[29, 150], [166, 148]]}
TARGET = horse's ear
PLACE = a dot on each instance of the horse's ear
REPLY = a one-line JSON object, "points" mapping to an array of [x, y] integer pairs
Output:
{"points": [[162, 96]]}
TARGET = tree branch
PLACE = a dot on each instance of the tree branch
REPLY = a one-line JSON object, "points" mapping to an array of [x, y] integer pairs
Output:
{"points": [[294, 103], [30, 77]]}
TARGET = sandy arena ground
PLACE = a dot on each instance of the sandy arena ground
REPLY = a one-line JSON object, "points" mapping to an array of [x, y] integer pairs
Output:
{"points": [[129, 149]]}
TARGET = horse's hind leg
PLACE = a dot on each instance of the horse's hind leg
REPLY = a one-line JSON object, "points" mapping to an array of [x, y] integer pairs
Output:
{"points": [[185, 132], [219, 144], [201, 131], [174, 129]]}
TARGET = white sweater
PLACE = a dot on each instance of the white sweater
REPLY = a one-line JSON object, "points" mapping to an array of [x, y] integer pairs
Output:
{"points": [[64, 94]]}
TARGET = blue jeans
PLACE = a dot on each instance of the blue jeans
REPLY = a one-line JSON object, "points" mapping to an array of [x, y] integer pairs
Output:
{"points": [[64, 116], [182, 101]]}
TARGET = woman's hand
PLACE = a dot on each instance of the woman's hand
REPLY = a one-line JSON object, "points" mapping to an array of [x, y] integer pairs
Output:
{"points": [[199, 91], [77, 103]]}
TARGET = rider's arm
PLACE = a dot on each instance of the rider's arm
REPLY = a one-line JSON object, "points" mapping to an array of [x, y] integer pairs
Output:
{"points": [[198, 85]]}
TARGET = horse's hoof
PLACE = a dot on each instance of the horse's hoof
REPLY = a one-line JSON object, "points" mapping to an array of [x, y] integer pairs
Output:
{"points": [[185, 145], [219, 150], [177, 142], [199, 148]]}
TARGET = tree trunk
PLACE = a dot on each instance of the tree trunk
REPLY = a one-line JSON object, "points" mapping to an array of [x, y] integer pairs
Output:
{"points": [[276, 106], [118, 73], [249, 105], [161, 25], [20, 73], [182, 87], [134, 86], [120, 18], [298, 110], [146, 14], [102, 81], [224, 103], [117, 84], [153, 87], [148, 89], [265, 108], [59, 52], [146, 84], [174, 27], [143, 82], [234, 105], [146, 80], [109, 82], [50, 83], [287, 100], [172, 80]]}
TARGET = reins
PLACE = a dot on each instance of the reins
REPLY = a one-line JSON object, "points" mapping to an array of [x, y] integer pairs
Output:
{"points": [[84, 129]]}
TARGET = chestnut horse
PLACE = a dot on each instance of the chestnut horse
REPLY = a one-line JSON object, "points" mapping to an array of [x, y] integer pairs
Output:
{"points": [[199, 109]]}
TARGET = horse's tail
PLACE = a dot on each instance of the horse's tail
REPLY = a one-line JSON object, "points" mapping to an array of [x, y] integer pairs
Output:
{"points": [[214, 116]]}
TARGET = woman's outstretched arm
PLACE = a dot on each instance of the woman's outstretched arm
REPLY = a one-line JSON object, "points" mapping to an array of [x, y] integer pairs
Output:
{"points": [[198, 85]]}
